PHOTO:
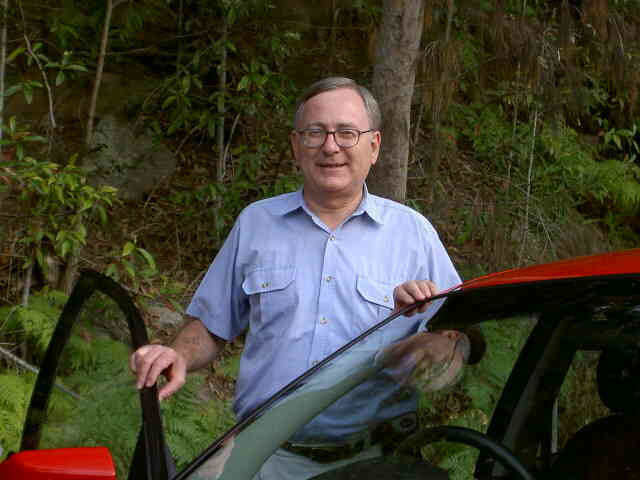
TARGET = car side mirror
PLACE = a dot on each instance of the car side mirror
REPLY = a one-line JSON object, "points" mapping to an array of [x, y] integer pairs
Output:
{"points": [[86, 463]]}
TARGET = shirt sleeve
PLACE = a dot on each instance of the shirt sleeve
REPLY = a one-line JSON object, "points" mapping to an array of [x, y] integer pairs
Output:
{"points": [[219, 302]]}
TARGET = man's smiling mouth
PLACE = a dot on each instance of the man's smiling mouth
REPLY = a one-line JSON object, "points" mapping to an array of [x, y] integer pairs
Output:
{"points": [[332, 165]]}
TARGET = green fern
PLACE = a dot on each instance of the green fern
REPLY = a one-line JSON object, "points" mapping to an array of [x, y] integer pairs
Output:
{"points": [[14, 400], [192, 423], [34, 323]]}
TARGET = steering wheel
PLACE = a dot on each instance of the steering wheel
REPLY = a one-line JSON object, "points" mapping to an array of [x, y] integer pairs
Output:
{"points": [[469, 437]]}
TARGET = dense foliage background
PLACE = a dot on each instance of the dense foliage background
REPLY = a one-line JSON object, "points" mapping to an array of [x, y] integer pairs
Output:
{"points": [[523, 148]]}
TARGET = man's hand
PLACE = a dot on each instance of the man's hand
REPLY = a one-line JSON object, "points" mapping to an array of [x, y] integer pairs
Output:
{"points": [[428, 360], [411, 292], [149, 361], [194, 347]]}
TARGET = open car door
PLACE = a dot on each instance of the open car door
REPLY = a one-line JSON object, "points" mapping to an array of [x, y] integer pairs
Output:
{"points": [[99, 323]]}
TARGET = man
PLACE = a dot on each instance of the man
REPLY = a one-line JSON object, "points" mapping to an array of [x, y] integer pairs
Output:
{"points": [[306, 272]]}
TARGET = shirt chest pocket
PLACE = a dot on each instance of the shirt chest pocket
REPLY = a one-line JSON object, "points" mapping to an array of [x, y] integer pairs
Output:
{"points": [[272, 296], [378, 300]]}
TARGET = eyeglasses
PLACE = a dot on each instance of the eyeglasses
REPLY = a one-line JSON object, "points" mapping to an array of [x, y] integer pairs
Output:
{"points": [[344, 137]]}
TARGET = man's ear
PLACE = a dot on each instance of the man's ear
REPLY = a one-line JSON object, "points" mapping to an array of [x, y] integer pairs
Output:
{"points": [[376, 140]]}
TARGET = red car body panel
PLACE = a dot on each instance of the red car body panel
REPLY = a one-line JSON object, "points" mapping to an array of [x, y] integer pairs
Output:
{"points": [[616, 263], [86, 463]]}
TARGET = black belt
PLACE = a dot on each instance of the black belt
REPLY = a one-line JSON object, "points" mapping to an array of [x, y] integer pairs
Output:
{"points": [[386, 434]]}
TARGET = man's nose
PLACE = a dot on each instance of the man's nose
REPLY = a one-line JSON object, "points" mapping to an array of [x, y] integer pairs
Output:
{"points": [[330, 146]]}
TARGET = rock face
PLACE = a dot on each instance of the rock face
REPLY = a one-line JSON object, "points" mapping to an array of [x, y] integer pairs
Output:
{"points": [[163, 316], [127, 158]]}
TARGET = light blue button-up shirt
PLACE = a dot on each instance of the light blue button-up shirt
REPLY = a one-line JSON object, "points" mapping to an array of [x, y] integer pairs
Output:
{"points": [[303, 291]]}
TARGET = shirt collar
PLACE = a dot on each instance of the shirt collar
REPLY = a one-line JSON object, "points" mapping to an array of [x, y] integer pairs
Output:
{"points": [[367, 205]]}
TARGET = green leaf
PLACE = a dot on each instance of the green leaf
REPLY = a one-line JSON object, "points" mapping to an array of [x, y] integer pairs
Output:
{"points": [[128, 248], [77, 68], [102, 213], [12, 89], [176, 124], [59, 194], [231, 15], [85, 205], [60, 78], [168, 101], [128, 267], [617, 141], [81, 231], [28, 95], [186, 84], [65, 248], [35, 138], [40, 258], [148, 257], [15, 53], [244, 83], [112, 271]]}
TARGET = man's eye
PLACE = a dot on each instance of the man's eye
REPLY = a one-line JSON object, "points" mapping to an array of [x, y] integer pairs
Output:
{"points": [[347, 134], [315, 133]]}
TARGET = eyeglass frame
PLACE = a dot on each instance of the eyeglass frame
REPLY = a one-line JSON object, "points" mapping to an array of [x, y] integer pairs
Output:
{"points": [[333, 132]]}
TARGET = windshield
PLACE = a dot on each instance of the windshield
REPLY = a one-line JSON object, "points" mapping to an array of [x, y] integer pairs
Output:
{"points": [[424, 360]]}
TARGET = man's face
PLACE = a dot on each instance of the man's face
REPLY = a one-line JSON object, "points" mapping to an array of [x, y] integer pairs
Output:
{"points": [[330, 170]]}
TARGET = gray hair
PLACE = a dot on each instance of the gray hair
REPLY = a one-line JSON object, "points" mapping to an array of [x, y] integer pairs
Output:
{"points": [[335, 83]]}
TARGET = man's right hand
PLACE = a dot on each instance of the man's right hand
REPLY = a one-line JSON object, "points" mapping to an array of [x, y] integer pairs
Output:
{"points": [[150, 361]]}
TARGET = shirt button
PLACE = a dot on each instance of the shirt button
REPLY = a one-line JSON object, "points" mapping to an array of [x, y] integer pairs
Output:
{"points": [[315, 362], [323, 320], [265, 285], [328, 278], [332, 237], [386, 298]]}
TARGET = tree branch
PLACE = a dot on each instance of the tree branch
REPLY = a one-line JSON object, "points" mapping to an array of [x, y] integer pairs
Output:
{"points": [[45, 79], [31, 368], [100, 67]]}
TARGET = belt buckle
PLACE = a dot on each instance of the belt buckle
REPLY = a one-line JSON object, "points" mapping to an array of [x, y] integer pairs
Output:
{"points": [[330, 453]]}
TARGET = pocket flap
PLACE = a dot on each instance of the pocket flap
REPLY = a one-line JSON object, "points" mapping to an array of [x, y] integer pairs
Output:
{"points": [[375, 292], [268, 280]]}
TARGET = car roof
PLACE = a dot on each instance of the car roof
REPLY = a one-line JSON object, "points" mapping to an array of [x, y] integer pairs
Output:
{"points": [[578, 284]]}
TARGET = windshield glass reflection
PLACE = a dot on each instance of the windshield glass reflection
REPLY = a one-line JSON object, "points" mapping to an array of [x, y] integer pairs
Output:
{"points": [[426, 360]]}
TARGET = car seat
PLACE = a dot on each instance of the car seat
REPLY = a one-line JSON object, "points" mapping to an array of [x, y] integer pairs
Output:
{"points": [[608, 448]]}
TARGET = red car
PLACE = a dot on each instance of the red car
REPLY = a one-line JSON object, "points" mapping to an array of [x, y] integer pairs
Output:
{"points": [[587, 303]]}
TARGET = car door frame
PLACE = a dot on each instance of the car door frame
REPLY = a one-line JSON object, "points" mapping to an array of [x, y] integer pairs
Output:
{"points": [[151, 459]]}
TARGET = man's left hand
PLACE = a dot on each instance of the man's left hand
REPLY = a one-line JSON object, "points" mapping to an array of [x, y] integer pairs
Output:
{"points": [[411, 292]]}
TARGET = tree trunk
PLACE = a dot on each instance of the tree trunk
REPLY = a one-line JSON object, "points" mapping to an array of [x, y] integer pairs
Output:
{"points": [[394, 71], [222, 82], [106, 26], [3, 60]]}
